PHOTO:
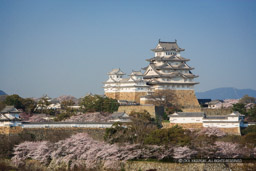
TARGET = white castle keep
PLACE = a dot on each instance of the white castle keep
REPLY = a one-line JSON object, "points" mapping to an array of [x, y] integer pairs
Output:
{"points": [[167, 70]]}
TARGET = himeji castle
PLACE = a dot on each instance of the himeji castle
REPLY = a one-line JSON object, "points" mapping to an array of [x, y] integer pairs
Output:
{"points": [[167, 70]]}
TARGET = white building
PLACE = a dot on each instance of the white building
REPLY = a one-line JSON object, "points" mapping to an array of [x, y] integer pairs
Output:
{"points": [[168, 69], [232, 120], [10, 117], [185, 117], [54, 106], [117, 83]]}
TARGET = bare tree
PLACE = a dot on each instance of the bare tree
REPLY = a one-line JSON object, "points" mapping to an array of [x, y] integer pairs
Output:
{"points": [[163, 98]]}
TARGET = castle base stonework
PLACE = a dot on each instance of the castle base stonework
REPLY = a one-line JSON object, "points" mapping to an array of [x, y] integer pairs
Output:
{"points": [[151, 109], [233, 131], [186, 99], [129, 96], [10, 130], [183, 125]]}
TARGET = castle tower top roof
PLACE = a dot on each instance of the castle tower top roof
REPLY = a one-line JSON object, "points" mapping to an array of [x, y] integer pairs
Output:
{"points": [[136, 73], [116, 71], [167, 46]]}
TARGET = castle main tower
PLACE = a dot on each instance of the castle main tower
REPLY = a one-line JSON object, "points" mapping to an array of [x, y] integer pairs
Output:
{"points": [[168, 70]]}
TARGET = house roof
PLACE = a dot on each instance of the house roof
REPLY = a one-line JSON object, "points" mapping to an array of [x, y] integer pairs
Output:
{"points": [[116, 71], [119, 115], [187, 114], [168, 75], [167, 46], [216, 117], [9, 109], [171, 58], [213, 102]]}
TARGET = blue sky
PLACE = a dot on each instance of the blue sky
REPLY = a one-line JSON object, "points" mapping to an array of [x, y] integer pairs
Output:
{"points": [[66, 47]]}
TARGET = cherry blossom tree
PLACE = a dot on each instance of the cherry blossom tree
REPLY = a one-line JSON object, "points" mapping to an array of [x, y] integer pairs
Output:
{"points": [[230, 150], [211, 131], [81, 150], [183, 152]]}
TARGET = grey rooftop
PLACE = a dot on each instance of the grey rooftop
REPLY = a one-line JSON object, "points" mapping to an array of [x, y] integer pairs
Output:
{"points": [[168, 46], [187, 114], [9, 109], [116, 71]]}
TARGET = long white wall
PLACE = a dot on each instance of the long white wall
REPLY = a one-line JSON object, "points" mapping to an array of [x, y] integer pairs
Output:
{"points": [[186, 120], [221, 125], [66, 125]]}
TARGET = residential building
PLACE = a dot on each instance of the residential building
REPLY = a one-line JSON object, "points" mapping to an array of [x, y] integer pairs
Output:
{"points": [[9, 117]]}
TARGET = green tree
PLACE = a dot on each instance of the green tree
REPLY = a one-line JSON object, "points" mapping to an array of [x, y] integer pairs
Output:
{"points": [[252, 113], [117, 133], [28, 105], [2, 105], [240, 107], [97, 103], [14, 100], [171, 136], [135, 132], [110, 105], [247, 99], [66, 103]]}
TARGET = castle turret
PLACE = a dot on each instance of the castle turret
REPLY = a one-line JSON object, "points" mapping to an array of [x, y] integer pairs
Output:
{"points": [[129, 89], [168, 70]]}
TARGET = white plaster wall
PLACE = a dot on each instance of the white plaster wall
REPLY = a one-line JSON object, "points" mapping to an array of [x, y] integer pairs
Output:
{"points": [[45, 125], [221, 125], [150, 71], [186, 120], [233, 118]]}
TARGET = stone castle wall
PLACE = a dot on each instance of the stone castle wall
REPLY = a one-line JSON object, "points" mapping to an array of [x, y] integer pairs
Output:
{"points": [[164, 166], [151, 109], [129, 96], [184, 98], [10, 130], [183, 125], [187, 100], [235, 131]]}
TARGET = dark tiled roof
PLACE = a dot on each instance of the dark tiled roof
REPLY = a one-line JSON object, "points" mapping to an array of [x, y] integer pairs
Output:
{"points": [[119, 115], [172, 58], [9, 109], [168, 46], [216, 117], [116, 71], [187, 114], [137, 73]]}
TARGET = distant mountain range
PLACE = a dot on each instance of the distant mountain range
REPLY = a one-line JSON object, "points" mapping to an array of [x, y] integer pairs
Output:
{"points": [[2, 92], [225, 93]]}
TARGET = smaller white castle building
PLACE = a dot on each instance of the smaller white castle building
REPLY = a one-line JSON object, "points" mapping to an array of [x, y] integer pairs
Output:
{"points": [[232, 120], [117, 83]]}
